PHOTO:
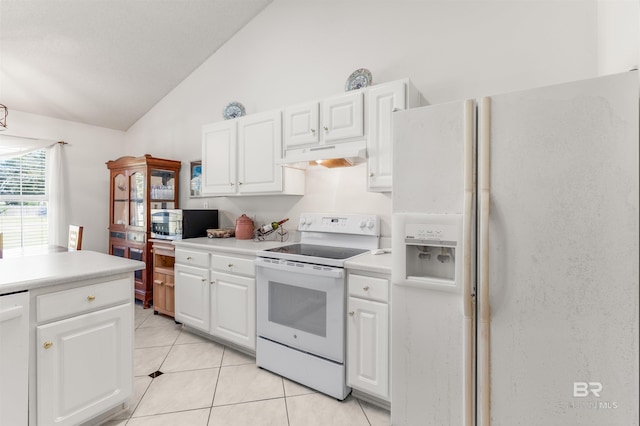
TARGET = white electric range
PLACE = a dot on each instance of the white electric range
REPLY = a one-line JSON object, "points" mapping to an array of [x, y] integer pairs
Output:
{"points": [[301, 299]]}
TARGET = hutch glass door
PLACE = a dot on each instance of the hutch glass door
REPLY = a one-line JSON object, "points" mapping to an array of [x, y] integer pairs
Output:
{"points": [[137, 199], [163, 189], [120, 199]]}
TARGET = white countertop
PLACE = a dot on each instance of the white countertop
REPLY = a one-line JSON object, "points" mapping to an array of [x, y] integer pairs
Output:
{"points": [[229, 245], [380, 263], [30, 272]]}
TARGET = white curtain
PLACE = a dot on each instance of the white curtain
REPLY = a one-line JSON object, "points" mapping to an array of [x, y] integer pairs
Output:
{"points": [[15, 146]]}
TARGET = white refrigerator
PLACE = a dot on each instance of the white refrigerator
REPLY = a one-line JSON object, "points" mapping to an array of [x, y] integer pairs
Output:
{"points": [[515, 249]]}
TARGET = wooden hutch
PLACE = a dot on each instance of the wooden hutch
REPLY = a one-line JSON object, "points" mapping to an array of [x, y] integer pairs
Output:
{"points": [[139, 184]]}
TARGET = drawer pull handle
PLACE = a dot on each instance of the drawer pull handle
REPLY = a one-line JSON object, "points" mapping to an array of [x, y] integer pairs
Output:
{"points": [[47, 344], [351, 313], [91, 298], [213, 282], [204, 279], [365, 288], [189, 258], [230, 265]]}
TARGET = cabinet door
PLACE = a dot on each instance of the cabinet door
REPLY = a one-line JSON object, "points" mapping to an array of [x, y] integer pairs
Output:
{"points": [[368, 346], [233, 309], [219, 158], [120, 199], [192, 296], [163, 189], [14, 359], [383, 99], [301, 125], [343, 117], [84, 365], [259, 147], [137, 199]]}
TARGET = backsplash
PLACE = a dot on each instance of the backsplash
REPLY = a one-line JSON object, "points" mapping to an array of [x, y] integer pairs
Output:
{"points": [[338, 190]]}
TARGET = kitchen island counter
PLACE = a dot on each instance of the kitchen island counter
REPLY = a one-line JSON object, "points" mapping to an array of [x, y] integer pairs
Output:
{"points": [[31, 272], [229, 245], [62, 315]]}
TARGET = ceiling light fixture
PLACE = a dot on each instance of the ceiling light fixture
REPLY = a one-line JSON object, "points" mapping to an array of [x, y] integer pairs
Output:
{"points": [[4, 111]]}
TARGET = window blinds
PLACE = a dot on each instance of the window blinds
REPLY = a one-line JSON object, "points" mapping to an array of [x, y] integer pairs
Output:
{"points": [[23, 200]]}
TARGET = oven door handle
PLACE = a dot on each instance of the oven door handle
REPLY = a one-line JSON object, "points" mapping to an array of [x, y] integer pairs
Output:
{"points": [[299, 267]]}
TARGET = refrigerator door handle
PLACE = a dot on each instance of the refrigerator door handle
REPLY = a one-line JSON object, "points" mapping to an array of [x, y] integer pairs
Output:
{"points": [[468, 308], [484, 314]]}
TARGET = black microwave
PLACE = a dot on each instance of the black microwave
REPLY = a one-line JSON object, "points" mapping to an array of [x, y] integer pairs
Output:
{"points": [[176, 224]]}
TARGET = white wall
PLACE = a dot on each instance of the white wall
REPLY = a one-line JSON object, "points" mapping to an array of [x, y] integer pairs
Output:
{"points": [[618, 35], [300, 50], [87, 177]]}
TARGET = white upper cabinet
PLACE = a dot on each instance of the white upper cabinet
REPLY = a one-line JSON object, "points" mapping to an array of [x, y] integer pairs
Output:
{"points": [[301, 125], [240, 156], [382, 101], [219, 158], [330, 128], [259, 147], [343, 117], [244, 156]]}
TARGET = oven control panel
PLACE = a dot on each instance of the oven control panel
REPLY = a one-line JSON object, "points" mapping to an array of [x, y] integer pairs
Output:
{"points": [[358, 224]]}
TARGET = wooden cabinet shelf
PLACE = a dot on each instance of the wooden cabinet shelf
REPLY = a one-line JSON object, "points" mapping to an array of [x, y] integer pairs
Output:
{"points": [[162, 270], [139, 184], [163, 277]]}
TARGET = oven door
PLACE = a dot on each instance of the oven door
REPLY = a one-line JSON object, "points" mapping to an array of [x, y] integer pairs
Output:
{"points": [[302, 306]]}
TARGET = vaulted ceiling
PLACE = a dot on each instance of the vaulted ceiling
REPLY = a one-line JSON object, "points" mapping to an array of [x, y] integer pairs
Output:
{"points": [[107, 62]]}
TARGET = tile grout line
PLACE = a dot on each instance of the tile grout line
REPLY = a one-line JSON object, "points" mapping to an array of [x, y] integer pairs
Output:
{"points": [[363, 410], [215, 389], [286, 407]]}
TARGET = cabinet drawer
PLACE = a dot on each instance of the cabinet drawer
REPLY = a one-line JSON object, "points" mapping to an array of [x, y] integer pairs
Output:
{"points": [[234, 265], [192, 258], [369, 287], [83, 299]]}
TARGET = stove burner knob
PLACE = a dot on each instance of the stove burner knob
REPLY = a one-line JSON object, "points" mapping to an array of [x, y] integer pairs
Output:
{"points": [[370, 224], [363, 224], [303, 221]]}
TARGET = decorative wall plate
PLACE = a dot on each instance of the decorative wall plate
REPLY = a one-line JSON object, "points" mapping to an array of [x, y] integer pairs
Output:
{"points": [[358, 79], [233, 110]]}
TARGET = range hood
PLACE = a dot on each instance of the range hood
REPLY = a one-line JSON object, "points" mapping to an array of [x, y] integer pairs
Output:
{"points": [[352, 152]]}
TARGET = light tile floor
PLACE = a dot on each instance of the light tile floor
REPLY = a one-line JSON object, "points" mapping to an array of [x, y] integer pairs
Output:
{"points": [[207, 384]]}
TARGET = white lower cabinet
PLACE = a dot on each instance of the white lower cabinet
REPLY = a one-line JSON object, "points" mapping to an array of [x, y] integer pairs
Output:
{"points": [[233, 312], [368, 335], [192, 290], [219, 300], [84, 361]]}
